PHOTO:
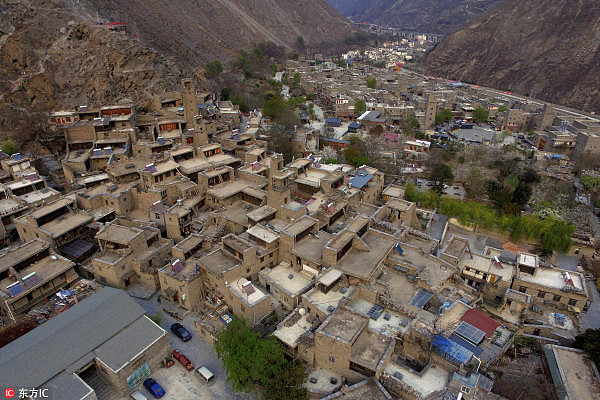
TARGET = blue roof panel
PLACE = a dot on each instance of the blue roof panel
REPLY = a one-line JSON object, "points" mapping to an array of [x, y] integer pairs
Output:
{"points": [[467, 345], [452, 349], [361, 179]]}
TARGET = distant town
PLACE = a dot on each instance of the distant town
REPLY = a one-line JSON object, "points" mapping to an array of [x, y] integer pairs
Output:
{"points": [[404, 236]]}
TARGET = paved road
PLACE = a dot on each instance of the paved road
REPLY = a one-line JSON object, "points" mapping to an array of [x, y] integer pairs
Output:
{"points": [[591, 319], [198, 351]]}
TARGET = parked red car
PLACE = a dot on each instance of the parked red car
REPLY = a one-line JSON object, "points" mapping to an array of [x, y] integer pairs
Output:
{"points": [[183, 360]]}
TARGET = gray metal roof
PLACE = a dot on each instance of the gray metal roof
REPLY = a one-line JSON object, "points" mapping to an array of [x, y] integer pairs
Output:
{"points": [[46, 351], [65, 386], [127, 344]]}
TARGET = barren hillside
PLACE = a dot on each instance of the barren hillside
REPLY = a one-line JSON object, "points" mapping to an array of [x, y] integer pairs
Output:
{"points": [[549, 49], [432, 16], [56, 53]]}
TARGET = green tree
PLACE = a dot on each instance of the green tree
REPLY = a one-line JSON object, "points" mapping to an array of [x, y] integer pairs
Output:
{"points": [[300, 42], [502, 109], [480, 115], [331, 161], [9, 147], [371, 83], [589, 341], [296, 78], [253, 363], [360, 107], [475, 184], [156, 318], [275, 106], [258, 52], [521, 194], [225, 94], [213, 69], [311, 110], [443, 116], [238, 100], [441, 174]]}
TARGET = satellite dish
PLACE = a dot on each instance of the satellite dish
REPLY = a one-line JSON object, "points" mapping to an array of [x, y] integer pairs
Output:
{"points": [[302, 311]]}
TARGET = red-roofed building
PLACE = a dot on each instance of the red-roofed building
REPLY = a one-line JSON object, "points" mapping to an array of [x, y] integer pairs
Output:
{"points": [[481, 321]]}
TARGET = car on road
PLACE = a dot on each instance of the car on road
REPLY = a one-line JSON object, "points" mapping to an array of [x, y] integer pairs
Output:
{"points": [[181, 332], [183, 360], [153, 387]]}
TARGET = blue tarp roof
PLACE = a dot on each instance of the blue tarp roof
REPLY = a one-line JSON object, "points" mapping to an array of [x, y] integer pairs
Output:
{"points": [[452, 350], [467, 345], [333, 121], [355, 125], [361, 179], [421, 298], [335, 140]]}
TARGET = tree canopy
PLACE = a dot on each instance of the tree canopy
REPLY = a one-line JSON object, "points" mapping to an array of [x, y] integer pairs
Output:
{"points": [[441, 174], [443, 116], [371, 83], [480, 115], [589, 341], [253, 363], [553, 233], [213, 69], [360, 107]]}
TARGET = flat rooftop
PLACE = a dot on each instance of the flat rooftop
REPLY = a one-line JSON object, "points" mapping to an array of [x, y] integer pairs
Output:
{"points": [[554, 278], [109, 189], [65, 223], [435, 378], [10, 206], [193, 165], [292, 282], [325, 300], [370, 348], [263, 233], [344, 325], [261, 213], [46, 269], [456, 246], [311, 247], [300, 225], [189, 243], [118, 234], [38, 195], [218, 262], [12, 256], [228, 189], [360, 263], [49, 208], [487, 265], [256, 296], [290, 334], [575, 372], [394, 324], [369, 389], [330, 277]]}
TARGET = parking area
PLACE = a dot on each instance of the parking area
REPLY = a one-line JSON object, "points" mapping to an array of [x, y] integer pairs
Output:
{"points": [[176, 380]]}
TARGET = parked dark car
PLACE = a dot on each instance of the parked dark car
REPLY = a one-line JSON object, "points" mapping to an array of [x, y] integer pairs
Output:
{"points": [[153, 387], [180, 331]]}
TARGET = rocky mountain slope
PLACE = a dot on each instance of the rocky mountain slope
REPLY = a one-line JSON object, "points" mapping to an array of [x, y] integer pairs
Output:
{"points": [[56, 53], [432, 16], [197, 31], [49, 58], [549, 49]]}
